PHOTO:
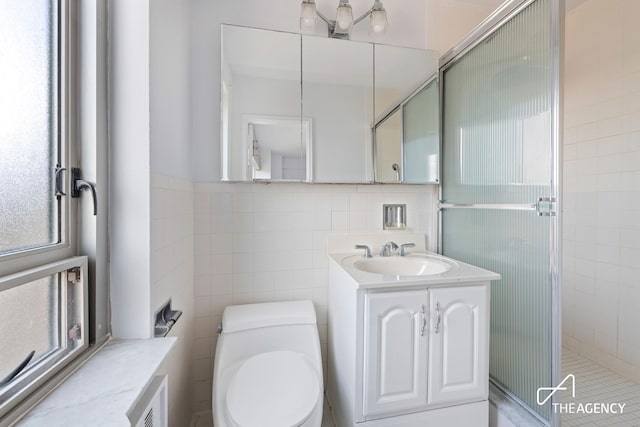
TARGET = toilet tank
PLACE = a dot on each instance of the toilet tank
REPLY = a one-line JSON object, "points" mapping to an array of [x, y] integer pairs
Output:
{"points": [[251, 329], [251, 316]]}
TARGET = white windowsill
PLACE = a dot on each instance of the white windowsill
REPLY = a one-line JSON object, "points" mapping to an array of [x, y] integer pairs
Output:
{"points": [[105, 388]]}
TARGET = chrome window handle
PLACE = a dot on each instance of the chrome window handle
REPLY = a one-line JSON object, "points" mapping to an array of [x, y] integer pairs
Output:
{"points": [[424, 320], [78, 184], [438, 318]]}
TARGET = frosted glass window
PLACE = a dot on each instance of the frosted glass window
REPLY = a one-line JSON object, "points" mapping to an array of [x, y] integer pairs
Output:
{"points": [[28, 131], [31, 323]]}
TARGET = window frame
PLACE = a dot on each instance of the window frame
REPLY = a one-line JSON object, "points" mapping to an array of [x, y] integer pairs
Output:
{"points": [[65, 120], [79, 35], [46, 367]]}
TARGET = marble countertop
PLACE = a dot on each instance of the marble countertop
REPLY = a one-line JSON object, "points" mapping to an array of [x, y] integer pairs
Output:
{"points": [[103, 390]]}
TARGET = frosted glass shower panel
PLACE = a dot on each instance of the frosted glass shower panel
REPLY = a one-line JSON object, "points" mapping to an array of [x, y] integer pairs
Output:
{"points": [[499, 151], [515, 244], [498, 115]]}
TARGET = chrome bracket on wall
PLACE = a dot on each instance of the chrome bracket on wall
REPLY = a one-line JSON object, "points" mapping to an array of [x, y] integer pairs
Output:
{"points": [[165, 318], [546, 206]]}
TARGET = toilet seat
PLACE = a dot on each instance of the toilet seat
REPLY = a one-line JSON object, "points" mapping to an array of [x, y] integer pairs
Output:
{"points": [[273, 389]]}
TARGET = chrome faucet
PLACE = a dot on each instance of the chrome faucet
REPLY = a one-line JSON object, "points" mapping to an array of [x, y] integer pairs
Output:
{"points": [[387, 248], [367, 251], [404, 246]]}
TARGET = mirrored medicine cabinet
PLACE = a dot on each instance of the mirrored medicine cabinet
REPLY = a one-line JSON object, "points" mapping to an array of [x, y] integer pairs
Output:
{"points": [[299, 108]]}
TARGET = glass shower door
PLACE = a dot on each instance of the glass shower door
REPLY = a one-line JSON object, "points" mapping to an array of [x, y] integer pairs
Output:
{"points": [[499, 208]]}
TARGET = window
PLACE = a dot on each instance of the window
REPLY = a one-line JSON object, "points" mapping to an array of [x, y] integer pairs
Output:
{"points": [[44, 267], [29, 148]]}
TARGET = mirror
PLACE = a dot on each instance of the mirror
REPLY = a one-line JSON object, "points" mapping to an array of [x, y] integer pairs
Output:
{"points": [[260, 100], [389, 149], [421, 138], [337, 93], [406, 117], [305, 109], [278, 148]]}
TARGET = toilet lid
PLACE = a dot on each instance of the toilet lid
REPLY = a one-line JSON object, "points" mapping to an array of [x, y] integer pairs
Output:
{"points": [[274, 389]]}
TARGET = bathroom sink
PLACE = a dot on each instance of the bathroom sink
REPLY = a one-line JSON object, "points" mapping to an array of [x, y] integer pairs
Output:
{"points": [[410, 265]]}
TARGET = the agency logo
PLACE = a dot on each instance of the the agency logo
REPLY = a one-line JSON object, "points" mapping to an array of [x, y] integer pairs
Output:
{"points": [[569, 383]]}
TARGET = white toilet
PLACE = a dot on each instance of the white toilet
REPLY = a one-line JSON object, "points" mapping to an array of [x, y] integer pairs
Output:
{"points": [[268, 367]]}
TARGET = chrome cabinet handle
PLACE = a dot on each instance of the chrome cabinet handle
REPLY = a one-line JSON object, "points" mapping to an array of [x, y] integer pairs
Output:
{"points": [[424, 320], [438, 318]]}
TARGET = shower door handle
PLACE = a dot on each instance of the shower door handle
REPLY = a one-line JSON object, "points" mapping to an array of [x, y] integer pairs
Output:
{"points": [[546, 206]]}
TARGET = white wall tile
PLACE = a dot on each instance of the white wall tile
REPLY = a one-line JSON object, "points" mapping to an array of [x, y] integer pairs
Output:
{"points": [[602, 181], [268, 243]]}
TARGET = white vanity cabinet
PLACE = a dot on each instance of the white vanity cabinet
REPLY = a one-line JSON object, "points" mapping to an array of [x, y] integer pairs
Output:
{"points": [[459, 344], [408, 351], [424, 348], [395, 352]]}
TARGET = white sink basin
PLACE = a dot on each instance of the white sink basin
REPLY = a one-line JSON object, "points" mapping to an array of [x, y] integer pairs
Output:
{"points": [[410, 265]]}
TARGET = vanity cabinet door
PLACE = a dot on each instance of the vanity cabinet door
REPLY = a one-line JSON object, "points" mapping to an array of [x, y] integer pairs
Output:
{"points": [[458, 341], [395, 353]]}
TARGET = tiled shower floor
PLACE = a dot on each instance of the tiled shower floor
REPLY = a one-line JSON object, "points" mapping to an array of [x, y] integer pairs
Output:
{"points": [[595, 383]]}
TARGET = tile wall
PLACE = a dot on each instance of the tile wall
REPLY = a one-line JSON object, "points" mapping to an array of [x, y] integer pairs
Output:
{"points": [[267, 242], [172, 277], [601, 285]]}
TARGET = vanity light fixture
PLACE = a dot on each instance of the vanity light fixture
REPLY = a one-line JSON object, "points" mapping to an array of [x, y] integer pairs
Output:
{"points": [[344, 22]]}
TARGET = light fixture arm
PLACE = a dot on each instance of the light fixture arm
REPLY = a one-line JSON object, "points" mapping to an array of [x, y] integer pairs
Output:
{"points": [[364, 15], [330, 22]]}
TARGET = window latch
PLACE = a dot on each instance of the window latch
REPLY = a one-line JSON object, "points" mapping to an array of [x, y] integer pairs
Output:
{"points": [[79, 184], [59, 181]]}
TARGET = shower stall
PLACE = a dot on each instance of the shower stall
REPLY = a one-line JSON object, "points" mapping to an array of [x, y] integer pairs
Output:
{"points": [[601, 187], [500, 196]]}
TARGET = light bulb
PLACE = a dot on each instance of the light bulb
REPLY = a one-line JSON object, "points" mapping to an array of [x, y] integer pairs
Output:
{"points": [[379, 21], [344, 18], [308, 16]]}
